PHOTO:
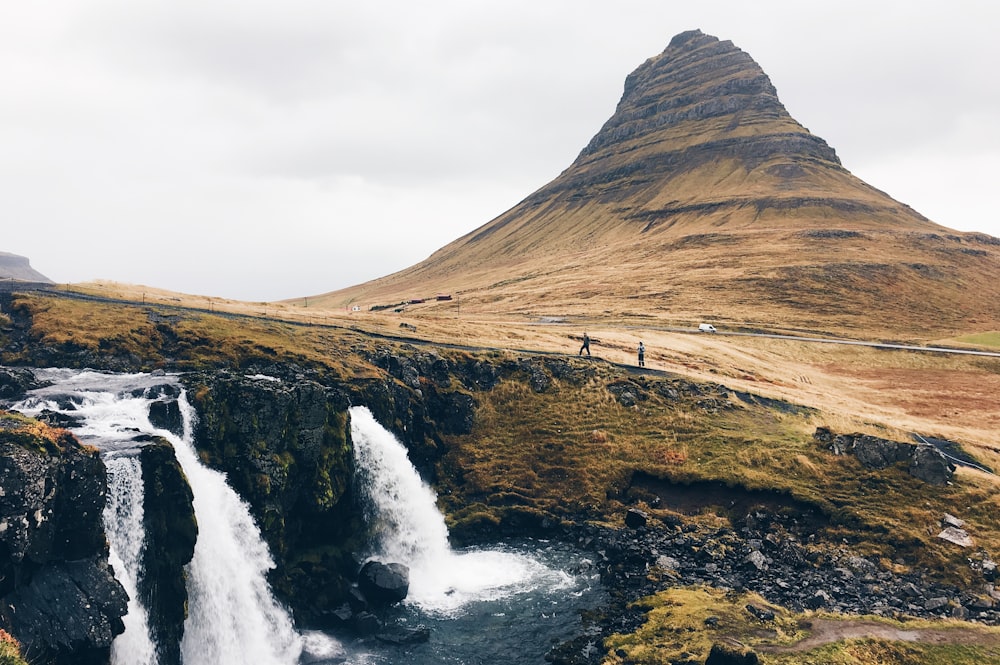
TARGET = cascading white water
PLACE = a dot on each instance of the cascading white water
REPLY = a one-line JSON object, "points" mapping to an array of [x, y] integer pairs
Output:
{"points": [[233, 618], [411, 530], [123, 515]]}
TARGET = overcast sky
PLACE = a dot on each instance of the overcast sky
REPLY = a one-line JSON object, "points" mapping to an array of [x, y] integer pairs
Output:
{"points": [[269, 150]]}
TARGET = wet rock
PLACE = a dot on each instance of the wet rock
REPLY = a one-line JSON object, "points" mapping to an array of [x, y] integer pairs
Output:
{"points": [[57, 419], [284, 445], [166, 414], [384, 583], [15, 382], [366, 623], [400, 636], [171, 533], [68, 612], [58, 594]]}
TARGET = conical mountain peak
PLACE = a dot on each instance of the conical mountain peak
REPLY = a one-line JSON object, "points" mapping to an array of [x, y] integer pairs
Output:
{"points": [[702, 104], [699, 79], [701, 197]]}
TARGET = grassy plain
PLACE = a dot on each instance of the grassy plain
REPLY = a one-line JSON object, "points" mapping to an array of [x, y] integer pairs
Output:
{"points": [[676, 626]]}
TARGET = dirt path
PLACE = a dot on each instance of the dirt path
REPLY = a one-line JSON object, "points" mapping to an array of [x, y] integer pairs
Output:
{"points": [[825, 631]]}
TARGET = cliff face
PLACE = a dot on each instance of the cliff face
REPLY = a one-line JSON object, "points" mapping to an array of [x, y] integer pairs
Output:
{"points": [[14, 267], [58, 595], [283, 443], [282, 436], [171, 534]]}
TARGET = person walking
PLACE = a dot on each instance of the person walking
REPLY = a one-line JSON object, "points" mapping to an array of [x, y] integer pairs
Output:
{"points": [[586, 345], [642, 354]]}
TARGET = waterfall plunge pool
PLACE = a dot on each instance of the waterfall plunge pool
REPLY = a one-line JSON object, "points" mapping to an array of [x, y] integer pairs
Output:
{"points": [[515, 628], [508, 603]]}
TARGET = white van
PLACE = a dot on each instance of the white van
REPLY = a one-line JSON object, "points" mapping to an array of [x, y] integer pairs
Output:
{"points": [[706, 327]]}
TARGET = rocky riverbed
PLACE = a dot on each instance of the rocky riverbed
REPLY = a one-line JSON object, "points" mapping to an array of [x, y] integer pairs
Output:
{"points": [[771, 554]]}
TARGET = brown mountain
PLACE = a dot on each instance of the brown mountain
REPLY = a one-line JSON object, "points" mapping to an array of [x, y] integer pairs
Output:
{"points": [[18, 268], [701, 198]]}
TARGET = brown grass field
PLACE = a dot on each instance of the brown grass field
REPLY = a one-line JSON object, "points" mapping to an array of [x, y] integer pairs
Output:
{"points": [[945, 395], [885, 392]]}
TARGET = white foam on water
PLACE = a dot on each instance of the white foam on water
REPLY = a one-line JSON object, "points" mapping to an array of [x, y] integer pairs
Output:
{"points": [[409, 529]]}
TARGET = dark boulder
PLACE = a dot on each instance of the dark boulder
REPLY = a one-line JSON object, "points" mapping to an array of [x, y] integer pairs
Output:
{"points": [[384, 583], [926, 462], [929, 465], [366, 623], [166, 414], [69, 612], [762, 613], [876, 453], [635, 518], [723, 654]]}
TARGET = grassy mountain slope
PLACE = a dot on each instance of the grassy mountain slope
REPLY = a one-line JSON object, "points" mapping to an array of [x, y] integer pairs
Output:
{"points": [[702, 198]]}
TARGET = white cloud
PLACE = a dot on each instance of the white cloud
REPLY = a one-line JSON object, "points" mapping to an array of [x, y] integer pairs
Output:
{"points": [[261, 150]]}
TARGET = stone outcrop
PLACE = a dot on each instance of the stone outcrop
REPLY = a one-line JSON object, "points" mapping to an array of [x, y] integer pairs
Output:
{"points": [[15, 382], [171, 533], [923, 461], [58, 594]]}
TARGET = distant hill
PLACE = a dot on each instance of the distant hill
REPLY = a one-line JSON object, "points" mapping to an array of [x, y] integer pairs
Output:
{"points": [[18, 268], [701, 198]]}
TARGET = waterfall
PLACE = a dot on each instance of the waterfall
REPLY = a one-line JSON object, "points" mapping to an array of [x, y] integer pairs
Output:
{"points": [[126, 537], [233, 618], [409, 529]]}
